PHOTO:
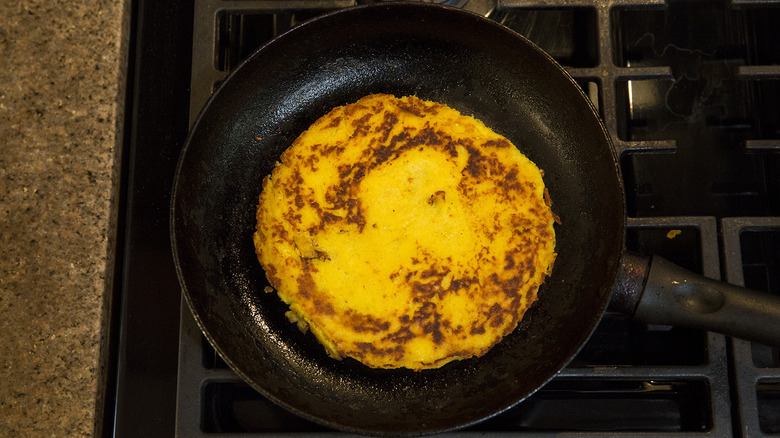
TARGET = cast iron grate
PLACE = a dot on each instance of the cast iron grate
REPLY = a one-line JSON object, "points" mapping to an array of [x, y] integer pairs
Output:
{"points": [[688, 91]]}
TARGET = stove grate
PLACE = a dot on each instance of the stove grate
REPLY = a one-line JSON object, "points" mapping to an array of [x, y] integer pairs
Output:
{"points": [[673, 81]]}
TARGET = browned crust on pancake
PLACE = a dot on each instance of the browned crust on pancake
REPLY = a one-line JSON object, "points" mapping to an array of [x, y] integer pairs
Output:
{"points": [[501, 296]]}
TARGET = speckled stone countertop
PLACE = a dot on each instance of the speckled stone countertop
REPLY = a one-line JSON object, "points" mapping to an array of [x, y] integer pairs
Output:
{"points": [[62, 70]]}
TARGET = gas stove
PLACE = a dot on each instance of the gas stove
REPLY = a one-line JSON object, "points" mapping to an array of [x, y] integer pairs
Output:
{"points": [[688, 92]]}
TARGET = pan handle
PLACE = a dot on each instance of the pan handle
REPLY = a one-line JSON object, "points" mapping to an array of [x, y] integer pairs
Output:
{"points": [[657, 291]]}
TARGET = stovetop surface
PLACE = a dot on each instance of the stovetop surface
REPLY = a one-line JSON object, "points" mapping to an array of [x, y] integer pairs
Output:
{"points": [[688, 91]]}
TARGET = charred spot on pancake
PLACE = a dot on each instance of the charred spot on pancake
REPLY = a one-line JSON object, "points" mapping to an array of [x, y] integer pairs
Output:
{"points": [[402, 233], [437, 198]]}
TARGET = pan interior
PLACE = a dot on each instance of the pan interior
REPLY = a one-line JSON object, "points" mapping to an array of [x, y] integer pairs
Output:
{"points": [[438, 54]]}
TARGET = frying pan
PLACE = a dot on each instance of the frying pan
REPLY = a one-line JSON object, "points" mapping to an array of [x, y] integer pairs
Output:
{"points": [[471, 64]]}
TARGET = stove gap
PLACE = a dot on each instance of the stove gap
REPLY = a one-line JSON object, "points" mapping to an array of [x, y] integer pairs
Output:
{"points": [[768, 397], [762, 36], [610, 406], [760, 259], [682, 35], [569, 35], [593, 91], [238, 35], [236, 407], [562, 405], [760, 265], [765, 117]]}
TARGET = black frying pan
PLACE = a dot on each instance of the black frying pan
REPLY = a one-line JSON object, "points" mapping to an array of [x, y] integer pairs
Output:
{"points": [[435, 53]]}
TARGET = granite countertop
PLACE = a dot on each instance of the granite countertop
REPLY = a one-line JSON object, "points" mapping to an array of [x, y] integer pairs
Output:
{"points": [[62, 74]]}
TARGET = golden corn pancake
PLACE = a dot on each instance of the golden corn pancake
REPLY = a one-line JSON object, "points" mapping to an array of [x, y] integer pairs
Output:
{"points": [[404, 234]]}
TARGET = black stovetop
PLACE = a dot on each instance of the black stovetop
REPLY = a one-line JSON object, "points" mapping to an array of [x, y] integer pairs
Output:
{"points": [[689, 91]]}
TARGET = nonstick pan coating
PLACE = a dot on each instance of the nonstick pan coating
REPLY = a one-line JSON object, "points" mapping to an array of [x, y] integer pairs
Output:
{"points": [[440, 54]]}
